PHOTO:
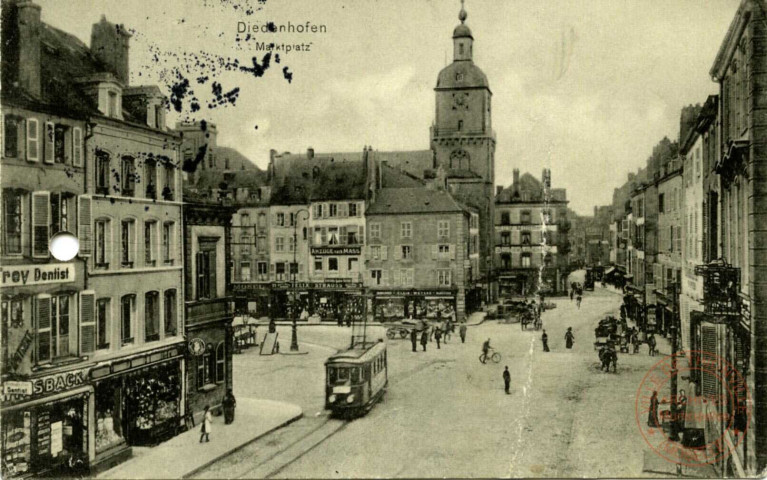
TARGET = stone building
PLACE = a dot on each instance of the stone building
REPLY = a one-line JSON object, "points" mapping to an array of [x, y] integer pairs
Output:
{"points": [[208, 305], [110, 338], [531, 225], [668, 263], [742, 200], [422, 254], [698, 149]]}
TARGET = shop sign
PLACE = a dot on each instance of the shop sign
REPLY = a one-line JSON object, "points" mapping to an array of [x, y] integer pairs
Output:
{"points": [[23, 275], [317, 251], [419, 293], [21, 351], [58, 382], [197, 346], [17, 388], [328, 285], [250, 287]]}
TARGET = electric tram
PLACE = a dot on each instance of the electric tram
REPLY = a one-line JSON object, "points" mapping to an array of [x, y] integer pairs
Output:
{"points": [[356, 379]]}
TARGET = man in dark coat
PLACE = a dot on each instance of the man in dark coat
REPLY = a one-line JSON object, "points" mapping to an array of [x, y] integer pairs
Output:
{"points": [[545, 340], [437, 334], [424, 339], [229, 403], [506, 379], [414, 338], [462, 331]]}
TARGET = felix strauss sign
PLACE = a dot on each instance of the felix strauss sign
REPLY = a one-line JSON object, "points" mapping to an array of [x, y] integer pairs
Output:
{"points": [[23, 275]]}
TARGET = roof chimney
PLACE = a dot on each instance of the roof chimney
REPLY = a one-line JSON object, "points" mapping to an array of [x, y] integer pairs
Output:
{"points": [[28, 18], [310, 153], [109, 43], [515, 182], [498, 189]]}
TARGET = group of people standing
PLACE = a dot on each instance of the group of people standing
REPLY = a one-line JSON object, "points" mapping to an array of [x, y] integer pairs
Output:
{"points": [[436, 332]]}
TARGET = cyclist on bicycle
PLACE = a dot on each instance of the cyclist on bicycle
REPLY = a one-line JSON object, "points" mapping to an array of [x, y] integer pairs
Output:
{"points": [[486, 347]]}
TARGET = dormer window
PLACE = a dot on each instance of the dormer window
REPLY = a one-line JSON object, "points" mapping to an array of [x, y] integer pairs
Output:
{"points": [[112, 103]]}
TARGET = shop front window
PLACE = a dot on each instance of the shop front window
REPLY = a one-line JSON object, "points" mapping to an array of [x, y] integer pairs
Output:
{"points": [[17, 441], [109, 431]]}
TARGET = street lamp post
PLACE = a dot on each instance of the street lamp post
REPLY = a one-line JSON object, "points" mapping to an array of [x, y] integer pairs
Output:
{"points": [[294, 273], [674, 436]]}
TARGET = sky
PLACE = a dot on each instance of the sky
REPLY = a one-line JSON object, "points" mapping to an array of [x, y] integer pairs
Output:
{"points": [[583, 87]]}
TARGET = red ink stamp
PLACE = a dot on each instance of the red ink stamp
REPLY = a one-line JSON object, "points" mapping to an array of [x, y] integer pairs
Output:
{"points": [[717, 418]]}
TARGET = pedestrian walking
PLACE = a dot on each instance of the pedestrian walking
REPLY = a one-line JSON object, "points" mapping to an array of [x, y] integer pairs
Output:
{"points": [[652, 414], [437, 335], [545, 340], [229, 403], [348, 318], [462, 331], [652, 343], [207, 420], [424, 339], [578, 299], [339, 319], [569, 338], [506, 379], [414, 338]]}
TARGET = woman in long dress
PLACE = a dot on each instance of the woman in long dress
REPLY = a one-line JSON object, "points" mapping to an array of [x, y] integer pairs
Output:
{"points": [[207, 420], [569, 337], [652, 415]]}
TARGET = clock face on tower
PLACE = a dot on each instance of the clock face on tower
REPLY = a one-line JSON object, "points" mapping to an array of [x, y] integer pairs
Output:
{"points": [[461, 100]]}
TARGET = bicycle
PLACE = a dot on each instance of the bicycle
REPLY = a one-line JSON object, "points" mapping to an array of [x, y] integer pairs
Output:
{"points": [[495, 356]]}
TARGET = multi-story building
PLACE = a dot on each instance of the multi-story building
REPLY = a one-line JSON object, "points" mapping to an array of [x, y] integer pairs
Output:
{"points": [[698, 149], [251, 248], [422, 253], [101, 353], [208, 305], [529, 215], [320, 201], [668, 263], [47, 306], [740, 341]]}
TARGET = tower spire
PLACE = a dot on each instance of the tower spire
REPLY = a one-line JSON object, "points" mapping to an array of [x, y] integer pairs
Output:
{"points": [[462, 14]]}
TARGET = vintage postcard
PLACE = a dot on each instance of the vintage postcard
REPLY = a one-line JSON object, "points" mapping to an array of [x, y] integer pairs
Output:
{"points": [[383, 239]]}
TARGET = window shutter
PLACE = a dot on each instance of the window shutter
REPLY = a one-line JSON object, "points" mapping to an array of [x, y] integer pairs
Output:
{"points": [[43, 317], [2, 134], [50, 135], [434, 252], [361, 236], [384, 252], [87, 322], [452, 252], [33, 140], [398, 252], [384, 277], [325, 210], [41, 214], [77, 147], [300, 268], [709, 367], [343, 210], [323, 236], [343, 231], [85, 225], [396, 277]]}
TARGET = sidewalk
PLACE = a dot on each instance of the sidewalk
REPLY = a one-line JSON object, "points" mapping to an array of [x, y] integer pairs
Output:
{"points": [[183, 455], [473, 319]]}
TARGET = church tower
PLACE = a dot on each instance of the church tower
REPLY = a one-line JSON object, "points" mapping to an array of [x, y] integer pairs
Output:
{"points": [[462, 138]]}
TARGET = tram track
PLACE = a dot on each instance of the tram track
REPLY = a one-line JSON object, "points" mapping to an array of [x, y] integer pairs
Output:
{"points": [[297, 449]]}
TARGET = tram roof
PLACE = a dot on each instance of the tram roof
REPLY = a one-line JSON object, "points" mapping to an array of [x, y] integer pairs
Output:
{"points": [[357, 355]]}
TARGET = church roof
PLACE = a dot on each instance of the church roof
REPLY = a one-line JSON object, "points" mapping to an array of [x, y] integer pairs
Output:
{"points": [[462, 74]]}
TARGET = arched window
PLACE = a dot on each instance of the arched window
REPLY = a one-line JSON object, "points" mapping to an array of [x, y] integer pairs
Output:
{"points": [[220, 363]]}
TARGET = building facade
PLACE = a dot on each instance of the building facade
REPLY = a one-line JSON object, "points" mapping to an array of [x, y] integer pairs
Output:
{"points": [[208, 306], [422, 254], [528, 220], [105, 329], [668, 265]]}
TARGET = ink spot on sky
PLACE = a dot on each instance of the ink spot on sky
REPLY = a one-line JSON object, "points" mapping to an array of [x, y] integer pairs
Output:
{"points": [[258, 70], [287, 74], [178, 92]]}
